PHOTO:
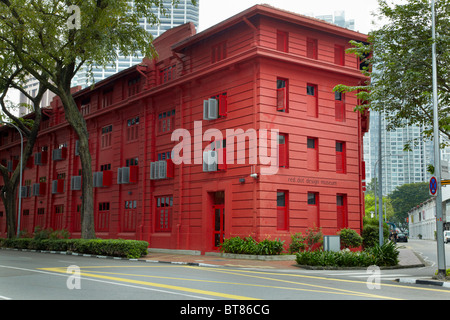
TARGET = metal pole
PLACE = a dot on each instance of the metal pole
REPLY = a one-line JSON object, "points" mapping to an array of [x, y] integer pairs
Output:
{"points": [[437, 157], [380, 177]]}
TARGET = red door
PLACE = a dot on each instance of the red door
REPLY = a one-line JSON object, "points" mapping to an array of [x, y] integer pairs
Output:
{"points": [[219, 225]]}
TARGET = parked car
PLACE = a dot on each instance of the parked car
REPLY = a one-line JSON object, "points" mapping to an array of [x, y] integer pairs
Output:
{"points": [[446, 236], [401, 237]]}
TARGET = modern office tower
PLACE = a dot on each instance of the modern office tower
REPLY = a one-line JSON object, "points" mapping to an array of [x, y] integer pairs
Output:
{"points": [[338, 19], [399, 166]]}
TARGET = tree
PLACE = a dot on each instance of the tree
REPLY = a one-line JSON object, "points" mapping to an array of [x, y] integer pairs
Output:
{"points": [[406, 197], [398, 59], [52, 40], [29, 130]]}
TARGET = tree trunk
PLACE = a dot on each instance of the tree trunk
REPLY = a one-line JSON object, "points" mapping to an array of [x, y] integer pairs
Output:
{"points": [[8, 197], [76, 120]]}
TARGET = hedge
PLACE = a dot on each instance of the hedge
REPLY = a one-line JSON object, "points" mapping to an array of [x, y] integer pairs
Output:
{"points": [[131, 249]]}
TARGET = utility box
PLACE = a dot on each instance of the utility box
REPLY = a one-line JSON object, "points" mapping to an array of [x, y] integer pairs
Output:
{"points": [[331, 243]]}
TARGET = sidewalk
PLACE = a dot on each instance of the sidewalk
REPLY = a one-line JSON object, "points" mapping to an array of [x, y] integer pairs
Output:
{"points": [[407, 259]]}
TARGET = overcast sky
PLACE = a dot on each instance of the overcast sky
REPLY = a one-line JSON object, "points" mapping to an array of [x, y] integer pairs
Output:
{"points": [[215, 11]]}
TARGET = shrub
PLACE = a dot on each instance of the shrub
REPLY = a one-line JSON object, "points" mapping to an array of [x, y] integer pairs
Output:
{"points": [[370, 232], [313, 240], [117, 248], [350, 238], [249, 245], [386, 255]]}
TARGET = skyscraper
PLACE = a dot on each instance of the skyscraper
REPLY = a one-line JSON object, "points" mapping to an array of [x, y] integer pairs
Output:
{"points": [[399, 166]]}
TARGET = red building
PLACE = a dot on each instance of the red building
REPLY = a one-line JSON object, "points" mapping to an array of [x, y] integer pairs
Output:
{"points": [[261, 69]]}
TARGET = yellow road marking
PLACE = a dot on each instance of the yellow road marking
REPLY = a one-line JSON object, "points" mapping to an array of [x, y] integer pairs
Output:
{"points": [[158, 285]]}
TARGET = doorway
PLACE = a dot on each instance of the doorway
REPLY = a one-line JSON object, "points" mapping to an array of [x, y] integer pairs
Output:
{"points": [[218, 211]]}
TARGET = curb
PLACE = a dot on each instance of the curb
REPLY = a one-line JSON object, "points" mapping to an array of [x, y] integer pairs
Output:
{"points": [[114, 258], [426, 282]]}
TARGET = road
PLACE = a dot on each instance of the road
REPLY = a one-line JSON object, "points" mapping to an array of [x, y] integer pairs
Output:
{"points": [[45, 276]]}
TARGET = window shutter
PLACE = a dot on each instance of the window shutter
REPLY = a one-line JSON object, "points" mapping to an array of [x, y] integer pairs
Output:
{"points": [[281, 99], [223, 105]]}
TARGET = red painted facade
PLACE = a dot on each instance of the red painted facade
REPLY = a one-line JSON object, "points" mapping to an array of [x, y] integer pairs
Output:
{"points": [[266, 69]]}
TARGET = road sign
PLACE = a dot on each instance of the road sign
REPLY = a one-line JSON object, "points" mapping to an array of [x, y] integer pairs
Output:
{"points": [[433, 186], [445, 182]]}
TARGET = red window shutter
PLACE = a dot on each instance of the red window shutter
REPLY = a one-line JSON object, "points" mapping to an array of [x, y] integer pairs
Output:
{"points": [[223, 165], [107, 178], [282, 41], [170, 168], [311, 102], [282, 155], [281, 99], [223, 105], [312, 159], [60, 186], [339, 55], [281, 218], [134, 174], [339, 110], [311, 48]]}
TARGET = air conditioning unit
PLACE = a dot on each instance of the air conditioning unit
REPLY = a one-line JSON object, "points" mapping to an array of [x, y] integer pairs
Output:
{"points": [[102, 179], [58, 186], [77, 148], [210, 160], [39, 189], [162, 169], [40, 158], [59, 154], [210, 109], [127, 175], [75, 183], [24, 192]]}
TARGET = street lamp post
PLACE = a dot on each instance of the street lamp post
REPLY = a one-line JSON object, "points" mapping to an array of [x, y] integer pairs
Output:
{"points": [[380, 197], [20, 175], [437, 156]]}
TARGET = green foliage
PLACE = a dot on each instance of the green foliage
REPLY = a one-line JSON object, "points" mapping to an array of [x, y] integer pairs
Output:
{"points": [[386, 255], [312, 240], [249, 245], [350, 238], [114, 247], [406, 197], [370, 233]]}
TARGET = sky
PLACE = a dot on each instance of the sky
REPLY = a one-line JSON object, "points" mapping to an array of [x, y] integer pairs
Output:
{"points": [[215, 11]]}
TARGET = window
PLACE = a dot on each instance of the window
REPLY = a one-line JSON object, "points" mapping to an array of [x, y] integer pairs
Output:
{"points": [[85, 107], [282, 210], [282, 41], [282, 95], [164, 207], [166, 121], [102, 217], [283, 154], [339, 104], [132, 162], [105, 167], [312, 154], [218, 52], [313, 198], [132, 129], [129, 216], [339, 55], [341, 208], [311, 48], [312, 101], [57, 219], [340, 157], [106, 137], [107, 98], [134, 86], [167, 74]]}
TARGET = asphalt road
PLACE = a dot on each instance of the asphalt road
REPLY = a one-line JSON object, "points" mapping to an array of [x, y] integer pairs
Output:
{"points": [[46, 276]]}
